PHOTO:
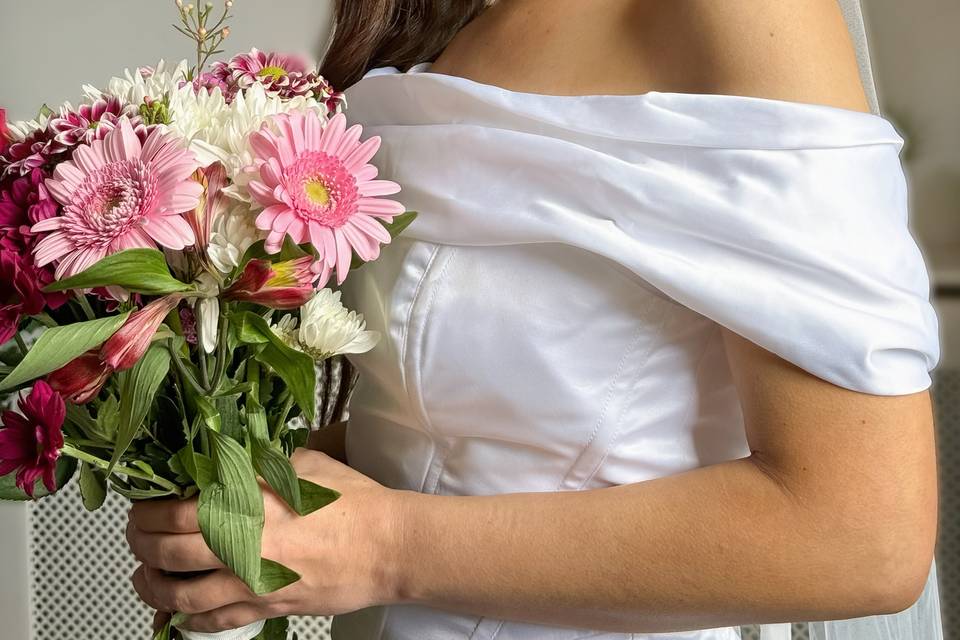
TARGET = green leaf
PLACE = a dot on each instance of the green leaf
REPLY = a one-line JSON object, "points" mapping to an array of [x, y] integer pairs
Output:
{"points": [[229, 415], [230, 510], [314, 497], [294, 367], [274, 576], [10, 491], [136, 270], [178, 619], [289, 251], [93, 487], [138, 388], [108, 419], [395, 228], [275, 629], [164, 632], [198, 466], [134, 493], [211, 417], [57, 346], [78, 416], [275, 468]]}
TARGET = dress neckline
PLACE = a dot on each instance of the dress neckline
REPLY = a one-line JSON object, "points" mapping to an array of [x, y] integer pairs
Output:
{"points": [[387, 95], [424, 69]]}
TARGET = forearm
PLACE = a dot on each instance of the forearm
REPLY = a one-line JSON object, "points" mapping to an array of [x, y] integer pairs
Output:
{"points": [[718, 546]]}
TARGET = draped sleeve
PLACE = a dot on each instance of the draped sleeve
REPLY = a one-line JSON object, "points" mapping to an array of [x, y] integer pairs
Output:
{"points": [[787, 223]]}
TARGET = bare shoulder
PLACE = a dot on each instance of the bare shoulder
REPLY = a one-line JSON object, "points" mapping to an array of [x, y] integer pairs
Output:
{"points": [[799, 50]]}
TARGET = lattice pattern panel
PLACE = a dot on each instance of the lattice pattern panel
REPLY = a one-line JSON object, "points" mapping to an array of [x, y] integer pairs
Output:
{"points": [[80, 574], [752, 632], [946, 396]]}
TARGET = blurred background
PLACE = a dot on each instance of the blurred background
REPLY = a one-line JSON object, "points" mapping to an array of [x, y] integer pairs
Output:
{"points": [[63, 578]]}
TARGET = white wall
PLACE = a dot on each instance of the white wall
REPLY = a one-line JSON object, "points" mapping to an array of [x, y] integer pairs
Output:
{"points": [[916, 52], [49, 48]]}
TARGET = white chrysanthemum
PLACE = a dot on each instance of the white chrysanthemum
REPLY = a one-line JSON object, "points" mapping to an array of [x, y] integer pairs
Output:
{"points": [[232, 234], [326, 328], [220, 132], [20, 129], [138, 84]]}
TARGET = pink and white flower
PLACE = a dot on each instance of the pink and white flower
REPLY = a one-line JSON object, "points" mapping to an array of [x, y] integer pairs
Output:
{"points": [[118, 193], [287, 76], [90, 122], [316, 185]]}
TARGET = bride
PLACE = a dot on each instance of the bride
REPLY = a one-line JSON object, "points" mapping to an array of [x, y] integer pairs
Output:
{"points": [[656, 351]]}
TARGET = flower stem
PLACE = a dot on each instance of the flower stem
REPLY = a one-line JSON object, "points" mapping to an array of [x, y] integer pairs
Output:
{"points": [[20, 343], [45, 319], [282, 418], [185, 375], [73, 452], [85, 305]]}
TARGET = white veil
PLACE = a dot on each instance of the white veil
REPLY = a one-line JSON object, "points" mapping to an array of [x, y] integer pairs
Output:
{"points": [[922, 620]]}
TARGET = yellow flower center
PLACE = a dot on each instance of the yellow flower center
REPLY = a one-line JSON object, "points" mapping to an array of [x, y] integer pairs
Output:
{"points": [[273, 72], [317, 192]]}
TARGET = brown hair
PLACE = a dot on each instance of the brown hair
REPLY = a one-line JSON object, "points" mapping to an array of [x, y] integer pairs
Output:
{"points": [[397, 33]]}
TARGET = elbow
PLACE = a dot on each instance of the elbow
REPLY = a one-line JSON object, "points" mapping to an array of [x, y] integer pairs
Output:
{"points": [[886, 572], [893, 577]]}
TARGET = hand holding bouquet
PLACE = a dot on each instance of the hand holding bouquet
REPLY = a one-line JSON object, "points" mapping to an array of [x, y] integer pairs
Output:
{"points": [[173, 238]]}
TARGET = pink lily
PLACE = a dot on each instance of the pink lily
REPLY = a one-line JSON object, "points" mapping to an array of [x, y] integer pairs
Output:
{"points": [[281, 285], [81, 379], [131, 341]]}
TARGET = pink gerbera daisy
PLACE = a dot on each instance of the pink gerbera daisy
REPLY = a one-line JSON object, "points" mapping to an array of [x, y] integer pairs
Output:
{"points": [[119, 194], [316, 186]]}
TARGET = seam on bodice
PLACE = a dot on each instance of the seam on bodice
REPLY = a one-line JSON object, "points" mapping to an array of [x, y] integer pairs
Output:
{"points": [[441, 448], [642, 330]]}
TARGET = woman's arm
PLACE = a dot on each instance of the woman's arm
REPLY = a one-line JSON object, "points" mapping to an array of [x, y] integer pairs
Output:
{"points": [[833, 515]]}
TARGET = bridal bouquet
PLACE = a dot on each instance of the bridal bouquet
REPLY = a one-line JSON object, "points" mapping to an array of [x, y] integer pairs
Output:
{"points": [[175, 242]]}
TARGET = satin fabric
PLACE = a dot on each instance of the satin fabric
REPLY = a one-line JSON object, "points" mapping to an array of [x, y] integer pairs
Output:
{"points": [[552, 319]]}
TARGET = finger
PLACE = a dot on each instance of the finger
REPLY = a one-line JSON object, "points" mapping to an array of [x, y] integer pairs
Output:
{"points": [[198, 594], [231, 616], [165, 516], [172, 551], [160, 618]]}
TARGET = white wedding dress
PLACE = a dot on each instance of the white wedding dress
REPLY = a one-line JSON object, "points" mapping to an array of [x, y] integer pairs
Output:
{"points": [[552, 319]]}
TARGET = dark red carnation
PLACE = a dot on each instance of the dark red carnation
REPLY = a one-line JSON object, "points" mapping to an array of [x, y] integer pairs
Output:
{"points": [[20, 293], [30, 441]]}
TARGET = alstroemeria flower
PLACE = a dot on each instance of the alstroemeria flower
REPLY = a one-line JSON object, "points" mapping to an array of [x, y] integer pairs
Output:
{"points": [[30, 441], [124, 348], [213, 179], [81, 379], [281, 285]]}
